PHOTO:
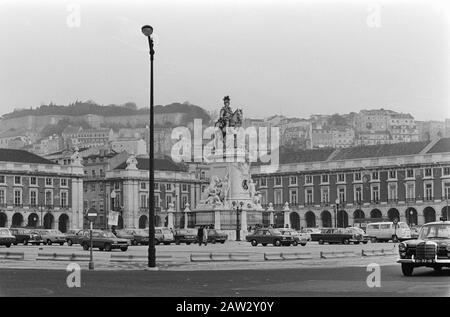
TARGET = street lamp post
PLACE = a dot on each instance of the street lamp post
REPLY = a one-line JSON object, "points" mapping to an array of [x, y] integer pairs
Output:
{"points": [[147, 30], [238, 229], [336, 212]]}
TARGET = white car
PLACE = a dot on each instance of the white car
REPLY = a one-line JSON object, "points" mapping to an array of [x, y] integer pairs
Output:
{"points": [[385, 231], [306, 232]]}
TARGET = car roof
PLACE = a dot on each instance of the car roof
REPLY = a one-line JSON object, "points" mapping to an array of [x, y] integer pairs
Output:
{"points": [[437, 223]]}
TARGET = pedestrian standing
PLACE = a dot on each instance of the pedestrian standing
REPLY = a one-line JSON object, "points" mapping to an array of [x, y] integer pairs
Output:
{"points": [[200, 235], [205, 236]]}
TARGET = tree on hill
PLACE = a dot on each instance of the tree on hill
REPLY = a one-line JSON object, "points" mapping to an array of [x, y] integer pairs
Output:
{"points": [[336, 120]]}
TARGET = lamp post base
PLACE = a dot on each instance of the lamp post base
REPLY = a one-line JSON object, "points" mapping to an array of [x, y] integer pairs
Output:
{"points": [[91, 265]]}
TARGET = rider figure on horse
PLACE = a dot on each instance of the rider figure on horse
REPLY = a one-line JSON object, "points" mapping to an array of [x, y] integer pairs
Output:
{"points": [[226, 112]]}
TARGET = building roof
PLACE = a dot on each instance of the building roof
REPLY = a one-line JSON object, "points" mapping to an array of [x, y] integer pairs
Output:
{"points": [[381, 150], [443, 145], [161, 164], [21, 156]]}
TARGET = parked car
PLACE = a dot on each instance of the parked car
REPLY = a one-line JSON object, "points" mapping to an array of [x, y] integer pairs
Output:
{"points": [[104, 240], [50, 236], [337, 235], [136, 236], [269, 236], [386, 231], [26, 236], [73, 236], [298, 237], [430, 249], [215, 235], [163, 235], [6, 237], [187, 236], [306, 232], [360, 231]]}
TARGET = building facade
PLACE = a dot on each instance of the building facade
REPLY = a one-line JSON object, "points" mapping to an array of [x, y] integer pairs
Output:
{"points": [[407, 181], [36, 192]]}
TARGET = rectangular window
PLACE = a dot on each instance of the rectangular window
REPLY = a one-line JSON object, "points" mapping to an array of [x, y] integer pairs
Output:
{"points": [[358, 194], [33, 181], [168, 187], [341, 194], [293, 180], [263, 198], [17, 197], [17, 180], [308, 179], [263, 182], [48, 181], [410, 191], [309, 196], [49, 198], [410, 173], [63, 199], [375, 176], [184, 188], [325, 178], [278, 197], [428, 172], [33, 198], [2, 197], [341, 178], [168, 201], [446, 171], [2, 179], [63, 182], [428, 191], [392, 174], [375, 194], [116, 185], [278, 181], [447, 191], [143, 186], [93, 187], [293, 197], [143, 201], [184, 200], [325, 195], [392, 193], [357, 176], [157, 201]]}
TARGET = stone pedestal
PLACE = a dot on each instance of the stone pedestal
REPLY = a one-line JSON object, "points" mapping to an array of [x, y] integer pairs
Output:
{"points": [[217, 219]]}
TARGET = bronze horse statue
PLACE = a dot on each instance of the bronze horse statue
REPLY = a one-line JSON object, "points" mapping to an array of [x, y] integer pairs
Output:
{"points": [[235, 120]]}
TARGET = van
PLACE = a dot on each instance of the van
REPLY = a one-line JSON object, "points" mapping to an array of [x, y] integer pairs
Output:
{"points": [[385, 231]]}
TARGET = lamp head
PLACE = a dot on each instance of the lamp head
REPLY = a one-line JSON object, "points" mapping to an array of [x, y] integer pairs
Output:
{"points": [[147, 30]]}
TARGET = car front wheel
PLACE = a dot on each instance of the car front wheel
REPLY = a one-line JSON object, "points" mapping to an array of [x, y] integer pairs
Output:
{"points": [[345, 241], [85, 246], [8, 245], [107, 247], [254, 243], [407, 269], [295, 243], [49, 242], [69, 243], [277, 243], [302, 244], [61, 243], [321, 241], [373, 240], [123, 249]]}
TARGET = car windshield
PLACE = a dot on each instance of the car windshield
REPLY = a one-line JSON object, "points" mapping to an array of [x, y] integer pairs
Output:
{"points": [[438, 231], [108, 235], [141, 232], [275, 232], [166, 231], [55, 232], [403, 225]]}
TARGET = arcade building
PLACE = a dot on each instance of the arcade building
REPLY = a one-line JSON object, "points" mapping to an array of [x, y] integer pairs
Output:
{"points": [[35, 192], [353, 186]]}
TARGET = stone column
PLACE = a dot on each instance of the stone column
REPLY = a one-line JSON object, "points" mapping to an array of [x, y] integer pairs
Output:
{"points": [[243, 223], [287, 212]]}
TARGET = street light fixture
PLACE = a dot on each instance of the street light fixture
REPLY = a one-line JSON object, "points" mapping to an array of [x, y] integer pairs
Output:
{"points": [[147, 30], [238, 229]]}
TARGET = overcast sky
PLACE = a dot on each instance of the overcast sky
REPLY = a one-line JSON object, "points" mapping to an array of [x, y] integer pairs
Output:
{"points": [[293, 58]]}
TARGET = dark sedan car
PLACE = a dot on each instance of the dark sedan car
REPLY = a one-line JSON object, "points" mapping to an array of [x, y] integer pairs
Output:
{"points": [[187, 236], [216, 236], [337, 235], [74, 236], [269, 236], [26, 236], [105, 240], [6, 237], [136, 236], [430, 249]]}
